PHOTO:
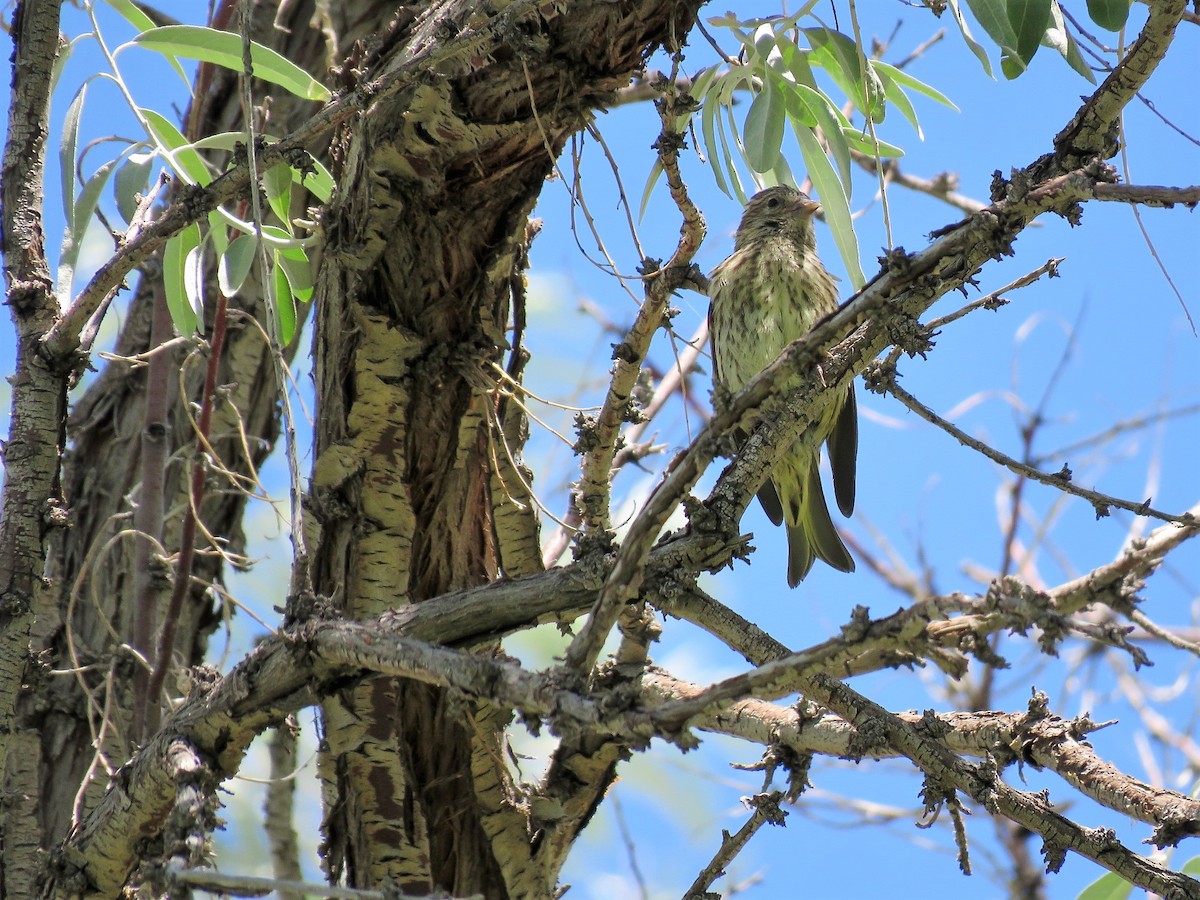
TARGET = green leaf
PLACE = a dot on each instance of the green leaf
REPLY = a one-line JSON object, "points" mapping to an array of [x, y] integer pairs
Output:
{"points": [[1109, 14], [83, 209], [727, 157], [295, 265], [65, 52], [142, 22], [708, 118], [223, 48], [1192, 866], [131, 14], [838, 55], [1109, 886], [782, 173], [285, 306], [903, 78], [833, 126], [181, 156], [720, 99], [900, 100], [1058, 37], [277, 183], [66, 154], [177, 283], [762, 132], [764, 43], [993, 15], [236, 262], [969, 39], [861, 141], [833, 202], [808, 106], [132, 178], [1029, 20], [700, 85], [217, 236], [651, 183]]}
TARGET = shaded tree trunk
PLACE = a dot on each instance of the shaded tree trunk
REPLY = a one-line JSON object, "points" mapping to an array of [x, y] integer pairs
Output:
{"points": [[423, 252]]}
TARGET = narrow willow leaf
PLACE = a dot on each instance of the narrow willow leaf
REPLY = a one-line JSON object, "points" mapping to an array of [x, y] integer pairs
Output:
{"points": [[1012, 66], [708, 118], [834, 126], [66, 154], [142, 22], [859, 140], [781, 174], [1109, 14], [65, 52], [903, 78], [131, 14], [193, 280], [178, 249], [235, 263], [838, 55], [285, 306], [131, 180], [83, 209], [651, 183], [833, 202], [223, 140], [224, 48], [731, 167], [969, 39], [900, 100], [175, 149], [277, 183], [762, 132], [216, 235], [697, 91]]}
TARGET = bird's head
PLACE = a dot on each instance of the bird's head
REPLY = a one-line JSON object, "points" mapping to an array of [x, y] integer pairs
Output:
{"points": [[779, 211]]}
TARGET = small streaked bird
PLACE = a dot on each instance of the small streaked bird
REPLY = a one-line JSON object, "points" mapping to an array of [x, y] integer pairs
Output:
{"points": [[768, 293]]}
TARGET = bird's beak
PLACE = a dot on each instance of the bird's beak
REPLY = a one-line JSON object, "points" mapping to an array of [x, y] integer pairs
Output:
{"points": [[807, 206]]}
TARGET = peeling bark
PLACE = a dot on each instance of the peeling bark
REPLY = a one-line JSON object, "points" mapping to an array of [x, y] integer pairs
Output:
{"points": [[424, 241]]}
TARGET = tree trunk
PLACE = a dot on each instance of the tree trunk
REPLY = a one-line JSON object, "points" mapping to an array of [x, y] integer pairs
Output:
{"points": [[420, 279]]}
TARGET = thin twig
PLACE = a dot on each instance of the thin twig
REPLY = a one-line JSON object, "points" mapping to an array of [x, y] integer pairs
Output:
{"points": [[1060, 480]]}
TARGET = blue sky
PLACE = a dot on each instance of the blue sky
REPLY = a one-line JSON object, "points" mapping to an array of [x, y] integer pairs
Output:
{"points": [[1110, 323]]}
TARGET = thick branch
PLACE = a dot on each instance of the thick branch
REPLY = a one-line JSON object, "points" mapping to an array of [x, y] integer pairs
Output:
{"points": [[1092, 131], [982, 783]]}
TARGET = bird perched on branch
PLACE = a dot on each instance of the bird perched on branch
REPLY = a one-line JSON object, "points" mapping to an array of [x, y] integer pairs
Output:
{"points": [[769, 292]]}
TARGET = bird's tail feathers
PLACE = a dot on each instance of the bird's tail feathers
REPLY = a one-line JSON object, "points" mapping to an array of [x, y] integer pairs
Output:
{"points": [[813, 536]]}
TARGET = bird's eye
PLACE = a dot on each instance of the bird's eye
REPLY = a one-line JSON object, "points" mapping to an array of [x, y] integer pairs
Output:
{"points": [[772, 203]]}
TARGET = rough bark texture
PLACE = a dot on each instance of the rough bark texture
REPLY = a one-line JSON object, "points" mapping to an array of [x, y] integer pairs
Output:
{"points": [[31, 504], [413, 484], [423, 242]]}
